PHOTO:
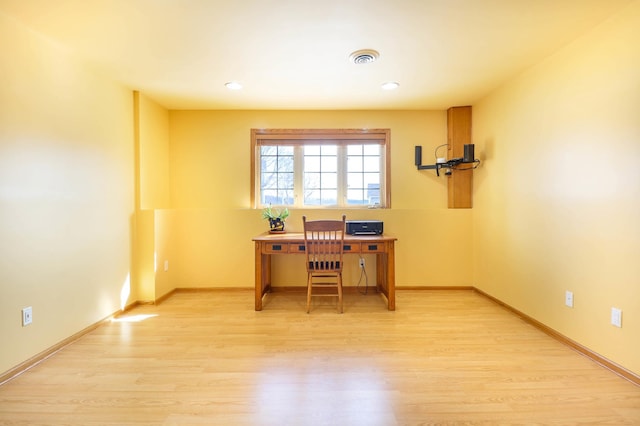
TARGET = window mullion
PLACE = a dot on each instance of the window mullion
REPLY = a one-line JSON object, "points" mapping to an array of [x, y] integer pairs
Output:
{"points": [[383, 185], [342, 175], [298, 176]]}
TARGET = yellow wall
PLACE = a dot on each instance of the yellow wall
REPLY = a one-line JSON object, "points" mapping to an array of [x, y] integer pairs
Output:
{"points": [[557, 200], [154, 230], [66, 193], [163, 249], [151, 281], [154, 154], [214, 224]]}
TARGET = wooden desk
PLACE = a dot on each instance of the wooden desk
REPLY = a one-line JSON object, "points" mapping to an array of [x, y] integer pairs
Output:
{"points": [[293, 243]]}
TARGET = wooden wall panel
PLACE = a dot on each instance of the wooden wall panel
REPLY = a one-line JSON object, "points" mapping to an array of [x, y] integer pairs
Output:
{"points": [[460, 182]]}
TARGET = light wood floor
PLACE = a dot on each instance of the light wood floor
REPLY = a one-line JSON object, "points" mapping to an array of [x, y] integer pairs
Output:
{"points": [[207, 358]]}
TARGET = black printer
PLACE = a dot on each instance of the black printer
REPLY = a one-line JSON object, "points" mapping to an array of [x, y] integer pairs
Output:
{"points": [[364, 227]]}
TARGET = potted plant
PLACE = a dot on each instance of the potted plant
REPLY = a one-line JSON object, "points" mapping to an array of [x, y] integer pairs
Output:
{"points": [[276, 218]]}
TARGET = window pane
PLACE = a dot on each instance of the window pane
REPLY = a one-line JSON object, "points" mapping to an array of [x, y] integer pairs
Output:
{"points": [[268, 150], [285, 164], [285, 180], [355, 196], [311, 180], [363, 174], [354, 150], [329, 150], [372, 149], [285, 150], [312, 197], [311, 163], [269, 180], [269, 196], [268, 164], [329, 197], [354, 164], [312, 150], [329, 164], [329, 181], [371, 164], [355, 181], [285, 196], [373, 193], [320, 175], [371, 179], [276, 184]]}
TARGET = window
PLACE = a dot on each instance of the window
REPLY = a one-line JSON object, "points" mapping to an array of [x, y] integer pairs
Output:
{"points": [[320, 168]]}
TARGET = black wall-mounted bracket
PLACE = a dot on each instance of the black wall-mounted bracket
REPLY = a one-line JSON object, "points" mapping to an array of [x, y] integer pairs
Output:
{"points": [[453, 163]]}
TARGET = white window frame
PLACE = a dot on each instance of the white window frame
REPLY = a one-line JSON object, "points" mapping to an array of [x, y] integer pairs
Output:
{"points": [[298, 138]]}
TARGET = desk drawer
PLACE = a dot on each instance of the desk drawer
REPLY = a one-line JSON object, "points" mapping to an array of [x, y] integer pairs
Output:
{"points": [[351, 248], [296, 248], [372, 247], [276, 248]]}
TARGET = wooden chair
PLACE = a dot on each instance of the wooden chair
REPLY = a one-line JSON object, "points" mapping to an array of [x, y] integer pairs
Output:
{"points": [[324, 242]]}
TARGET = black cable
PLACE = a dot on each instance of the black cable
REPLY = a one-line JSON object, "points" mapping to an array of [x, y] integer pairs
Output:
{"points": [[363, 272], [476, 163]]}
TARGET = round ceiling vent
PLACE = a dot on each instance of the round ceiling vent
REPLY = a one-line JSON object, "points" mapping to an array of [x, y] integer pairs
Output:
{"points": [[365, 56]]}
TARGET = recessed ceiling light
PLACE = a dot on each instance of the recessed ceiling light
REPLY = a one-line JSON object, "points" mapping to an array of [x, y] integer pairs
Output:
{"points": [[390, 85], [233, 85], [364, 56]]}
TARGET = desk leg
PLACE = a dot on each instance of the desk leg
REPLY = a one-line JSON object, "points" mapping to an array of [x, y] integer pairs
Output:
{"points": [[386, 274], [258, 276], [381, 277], [391, 276], [262, 275]]}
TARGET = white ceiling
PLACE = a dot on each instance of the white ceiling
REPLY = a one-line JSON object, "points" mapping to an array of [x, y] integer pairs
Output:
{"points": [[294, 54]]}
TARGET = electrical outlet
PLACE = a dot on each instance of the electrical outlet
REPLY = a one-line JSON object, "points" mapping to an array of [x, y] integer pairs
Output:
{"points": [[361, 262], [27, 316], [166, 265], [616, 317], [568, 298]]}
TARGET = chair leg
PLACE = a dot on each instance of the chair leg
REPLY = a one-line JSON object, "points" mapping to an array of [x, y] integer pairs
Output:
{"points": [[340, 310], [308, 292]]}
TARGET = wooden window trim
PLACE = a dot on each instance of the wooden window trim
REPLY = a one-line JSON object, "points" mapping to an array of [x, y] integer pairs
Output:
{"points": [[330, 136]]}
